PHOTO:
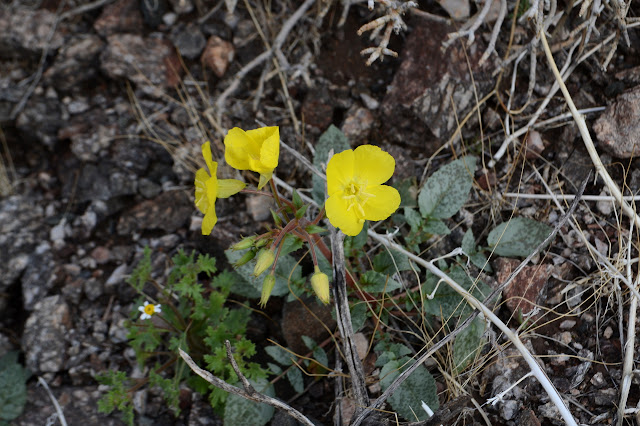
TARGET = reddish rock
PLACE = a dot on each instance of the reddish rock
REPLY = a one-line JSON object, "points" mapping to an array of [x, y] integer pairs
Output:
{"points": [[433, 86], [218, 54], [306, 319], [521, 295], [618, 128], [147, 62], [123, 16]]}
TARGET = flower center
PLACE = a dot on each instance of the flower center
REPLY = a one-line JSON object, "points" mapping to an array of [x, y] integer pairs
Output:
{"points": [[149, 309], [356, 196]]}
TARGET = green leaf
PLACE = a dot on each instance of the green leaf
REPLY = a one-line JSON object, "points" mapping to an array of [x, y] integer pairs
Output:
{"points": [[13, 389], [314, 229], [419, 386], [294, 375], [480, 261], [279, 355], [413, 218], [331, 139], [375, 282], [467, 344], [446, 191], [468, 243], [408, 192], [435, 227], [446, 302], [241, 411], [517, 237], [390, 262], [359, 315]]}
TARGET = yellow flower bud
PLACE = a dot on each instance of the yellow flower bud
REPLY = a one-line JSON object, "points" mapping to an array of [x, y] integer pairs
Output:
{"points": [[320, 284], [264, 261], [267, 288]]}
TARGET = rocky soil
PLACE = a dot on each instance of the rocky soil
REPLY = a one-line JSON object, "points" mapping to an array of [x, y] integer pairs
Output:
{"points": [[102, 113]]}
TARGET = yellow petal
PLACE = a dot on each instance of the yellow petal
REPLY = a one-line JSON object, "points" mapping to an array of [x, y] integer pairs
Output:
{"points": [[372, 165], [346, 220], [339, 171], [211, 188], [239, 148], [229, 187], [201, 194], [206, 153], [384, 202], [270, 149], [209, 220]]}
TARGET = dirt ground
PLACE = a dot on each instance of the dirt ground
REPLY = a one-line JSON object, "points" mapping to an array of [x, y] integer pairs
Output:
{"points": [[104, 106]]}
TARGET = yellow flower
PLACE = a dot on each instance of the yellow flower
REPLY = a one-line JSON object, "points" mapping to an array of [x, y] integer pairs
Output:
{"points": [[208, 188], [255, 150], [354, 186], [320, 285]]}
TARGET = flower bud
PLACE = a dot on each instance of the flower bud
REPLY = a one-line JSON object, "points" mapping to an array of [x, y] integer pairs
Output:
{"points": [[267, 287], [245, 258], [264, 261], [320, 284], [244, 244]]}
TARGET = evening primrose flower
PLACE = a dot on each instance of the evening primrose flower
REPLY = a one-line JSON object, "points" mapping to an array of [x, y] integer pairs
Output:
{"points": [[255, 150], [148, 310], [355, 190], [208, 188]]}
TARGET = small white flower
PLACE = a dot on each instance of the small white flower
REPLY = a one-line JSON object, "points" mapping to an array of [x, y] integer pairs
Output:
{"points": [[148, 310]]}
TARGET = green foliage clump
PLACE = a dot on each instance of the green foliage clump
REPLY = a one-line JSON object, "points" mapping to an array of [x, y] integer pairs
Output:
{"points": [[13, 388], [193, 318]]}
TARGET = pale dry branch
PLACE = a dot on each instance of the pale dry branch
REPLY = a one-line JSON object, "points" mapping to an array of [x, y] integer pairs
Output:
{"points": [[248, 393]]}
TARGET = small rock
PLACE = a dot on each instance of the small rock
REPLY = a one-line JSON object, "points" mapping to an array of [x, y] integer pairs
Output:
{"points": [[435, 86], [123, 16], [362, 345], [88, 146], [527, 418], [93, 288], [618, 128], [189, 40], [181, 7], [148, 188], [297, 321], [44, 335], [101, 255], [605, 397], [47, 113], [118, 333], [169, 211], [604, 206], [117, 276], [38, 278], [608, 332], [509, 409], [534, 145], [76, 64], [218, 54], [567, 324], [259, 207], [27, 32], [147, 62], [358, 124], [457, 9], [522, 293], [598, 380]]}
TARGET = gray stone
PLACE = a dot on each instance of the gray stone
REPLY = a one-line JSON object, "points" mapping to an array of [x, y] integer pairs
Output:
{"points": [[148, 188], [618, 128], [76, 64], [181, 6], [27, 32], [151, 63], [189, 40], [44, 335], [47, 113], [38, 278], [123, 16], [169, 212]]}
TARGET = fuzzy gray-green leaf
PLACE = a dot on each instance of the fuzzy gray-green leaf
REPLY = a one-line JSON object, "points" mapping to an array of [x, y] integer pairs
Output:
{"points": [[517, 237], [446, 191]]}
